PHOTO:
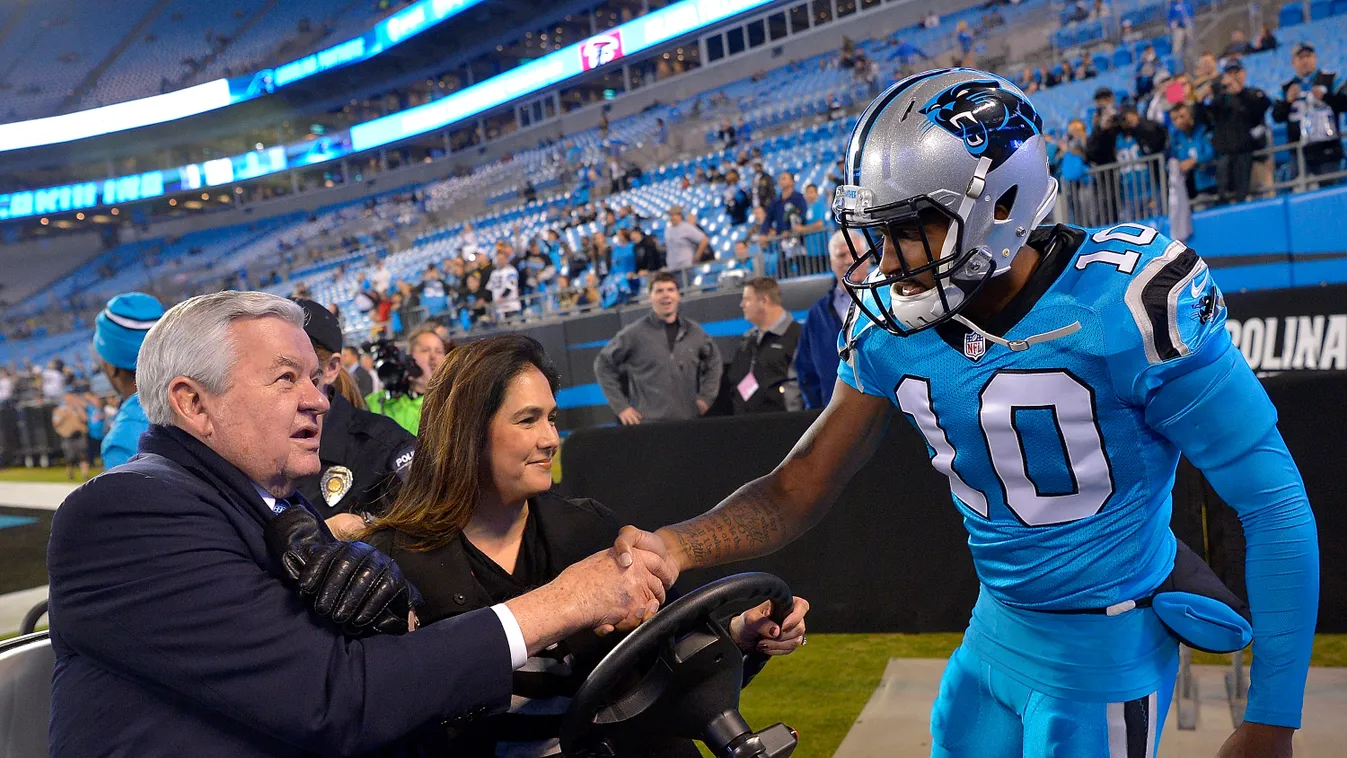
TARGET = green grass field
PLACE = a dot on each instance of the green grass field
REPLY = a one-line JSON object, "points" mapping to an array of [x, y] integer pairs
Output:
{"points": [[54, 474]]}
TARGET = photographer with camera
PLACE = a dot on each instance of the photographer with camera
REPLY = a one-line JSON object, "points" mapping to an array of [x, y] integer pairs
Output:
{"points": [[404, 379], [364, 456]]}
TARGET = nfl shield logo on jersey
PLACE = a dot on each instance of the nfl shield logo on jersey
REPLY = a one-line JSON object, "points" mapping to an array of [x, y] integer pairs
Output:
{"points": [[974, 345]]}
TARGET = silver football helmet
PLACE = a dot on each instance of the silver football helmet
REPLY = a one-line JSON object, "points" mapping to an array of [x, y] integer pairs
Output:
{"points": [[945, 144]]}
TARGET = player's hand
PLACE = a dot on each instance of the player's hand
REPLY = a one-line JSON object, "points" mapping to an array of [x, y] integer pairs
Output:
{"points": [[629, 417], [1252, 740], [754, 630]]}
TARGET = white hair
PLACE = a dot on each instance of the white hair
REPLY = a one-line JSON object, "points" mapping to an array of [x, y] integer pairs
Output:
{"points": [[192, 340], [839, 241]]}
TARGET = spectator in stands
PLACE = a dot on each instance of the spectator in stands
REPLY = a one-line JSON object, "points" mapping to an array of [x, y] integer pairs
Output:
{"points": [[350, 360], [671, 366], [737, 200], [1179, 19], [905, 53], [787, 210], [474, 301], [1101, 10], [504, 285], [1311, 106], [71, 422], [536, 270], [684, 243], [762, 371], [1148, 67], [1239, 45], [119, 331], [427, 351], [588, 293], [53, 380], [816, 357], [1100, 150], [185, 549], [1190, 144], [6, 385], [1155, 106], [818, 212], [98, 425], [382, 278], [964, 36], [1080, 12], [367, 363], [931, 21], [726, 135], [434, 293], [1264, 41], [1206, 77], [648, 255], [1235, 112]]}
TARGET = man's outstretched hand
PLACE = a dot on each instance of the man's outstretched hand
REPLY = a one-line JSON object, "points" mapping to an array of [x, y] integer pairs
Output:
{"points": [[665, 566]]}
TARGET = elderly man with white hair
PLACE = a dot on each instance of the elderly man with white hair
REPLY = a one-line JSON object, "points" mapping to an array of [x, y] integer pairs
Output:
{"points": [[199, 607], [816, 355]]}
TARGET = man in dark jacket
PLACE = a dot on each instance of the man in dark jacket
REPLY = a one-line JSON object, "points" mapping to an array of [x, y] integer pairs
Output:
{"points": [[1236, 114], [762, 372], [816, 357], [1125, 136], [175, 630], [670, 364], [648, 255], [1311, 103]]}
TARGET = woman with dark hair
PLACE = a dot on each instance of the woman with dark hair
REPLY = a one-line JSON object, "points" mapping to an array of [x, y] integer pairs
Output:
{"points": [[475, 525]]}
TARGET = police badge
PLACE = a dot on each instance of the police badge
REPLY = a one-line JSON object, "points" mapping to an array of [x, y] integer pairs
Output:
{"points": [[336, 482]]}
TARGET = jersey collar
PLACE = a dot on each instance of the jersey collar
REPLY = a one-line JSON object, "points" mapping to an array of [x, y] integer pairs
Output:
{"points": [[1056, 245]]}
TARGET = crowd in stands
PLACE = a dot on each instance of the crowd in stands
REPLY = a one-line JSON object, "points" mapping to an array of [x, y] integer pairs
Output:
{"points": [[587, 244]]}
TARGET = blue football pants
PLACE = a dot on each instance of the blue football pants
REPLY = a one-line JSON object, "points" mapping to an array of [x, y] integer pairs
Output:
{"points": [[982, 712]]}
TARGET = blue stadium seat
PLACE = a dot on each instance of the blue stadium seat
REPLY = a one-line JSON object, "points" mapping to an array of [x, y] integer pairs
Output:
{"points": [[1290, 15], [1339, 7], [1122, 57], [1321, 9]]}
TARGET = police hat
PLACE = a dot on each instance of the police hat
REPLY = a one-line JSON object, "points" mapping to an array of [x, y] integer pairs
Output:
{"points": [[321, 325]]}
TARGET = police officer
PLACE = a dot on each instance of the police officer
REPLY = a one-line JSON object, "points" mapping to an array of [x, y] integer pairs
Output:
{"points": [[364, 455], [762, 375], [118, 332], [403, 405]]}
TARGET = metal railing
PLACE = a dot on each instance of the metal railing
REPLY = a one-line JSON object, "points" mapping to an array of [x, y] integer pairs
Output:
{"points": [[1124, 191]]}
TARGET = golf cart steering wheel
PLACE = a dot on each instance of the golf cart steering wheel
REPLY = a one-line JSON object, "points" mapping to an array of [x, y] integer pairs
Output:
{"points": [[678, 676]]}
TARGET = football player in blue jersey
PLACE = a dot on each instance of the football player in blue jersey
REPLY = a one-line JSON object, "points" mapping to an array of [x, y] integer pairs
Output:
{"points": [[1056, 374]]}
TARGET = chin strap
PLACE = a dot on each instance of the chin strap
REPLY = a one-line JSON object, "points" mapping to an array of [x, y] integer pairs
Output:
{"points": [[1024, 344]]}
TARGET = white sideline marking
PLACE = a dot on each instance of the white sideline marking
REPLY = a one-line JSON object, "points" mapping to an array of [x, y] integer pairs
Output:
{"points": [[39, 495]]}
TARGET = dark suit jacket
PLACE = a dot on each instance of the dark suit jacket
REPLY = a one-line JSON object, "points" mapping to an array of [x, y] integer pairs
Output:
{"points": [[175, 634]]}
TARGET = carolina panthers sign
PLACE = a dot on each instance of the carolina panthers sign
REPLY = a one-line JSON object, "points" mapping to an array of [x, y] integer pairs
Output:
{"points": [[991, 120]]}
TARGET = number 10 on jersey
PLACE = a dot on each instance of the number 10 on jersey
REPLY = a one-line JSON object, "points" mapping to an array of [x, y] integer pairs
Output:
{"points": [[1072, 408]]}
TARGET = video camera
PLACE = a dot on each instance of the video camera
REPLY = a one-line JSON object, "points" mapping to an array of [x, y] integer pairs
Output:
{"points": [[395, 369]]}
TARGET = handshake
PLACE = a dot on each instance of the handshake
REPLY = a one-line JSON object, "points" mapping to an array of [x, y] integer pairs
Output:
{"points": [[363, 590]]}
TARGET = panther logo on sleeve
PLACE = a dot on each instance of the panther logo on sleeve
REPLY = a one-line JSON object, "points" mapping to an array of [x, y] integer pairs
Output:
{"points": [[991, 120]]}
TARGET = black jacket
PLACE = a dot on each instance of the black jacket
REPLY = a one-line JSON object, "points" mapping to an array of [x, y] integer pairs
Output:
{"points": [[572, 530], [176, 634], [1282, 111], [770, 357], [363, 381], [1234, 117], [1101, 147], [648, 255], [374, 449]]}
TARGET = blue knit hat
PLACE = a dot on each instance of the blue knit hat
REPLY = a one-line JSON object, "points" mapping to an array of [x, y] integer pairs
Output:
{"points": [[122, 326]]}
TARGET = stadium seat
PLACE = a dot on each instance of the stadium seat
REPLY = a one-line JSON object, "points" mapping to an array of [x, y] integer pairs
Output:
{"points": [[1321, 9], [1290, 15], [26, 665], [1122, 57]]}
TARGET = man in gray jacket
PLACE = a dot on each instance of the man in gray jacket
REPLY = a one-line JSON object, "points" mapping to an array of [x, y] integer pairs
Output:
{"points": [[671, 366]]}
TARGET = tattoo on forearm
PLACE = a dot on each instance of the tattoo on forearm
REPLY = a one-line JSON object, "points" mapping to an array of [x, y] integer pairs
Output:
{"points": [[748, 523]]}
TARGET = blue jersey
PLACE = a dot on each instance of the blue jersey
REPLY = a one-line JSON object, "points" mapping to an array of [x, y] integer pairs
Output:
{"points": [[1059, 459]]}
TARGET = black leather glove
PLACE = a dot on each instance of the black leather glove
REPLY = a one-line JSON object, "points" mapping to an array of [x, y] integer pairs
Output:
{"points": [[351, 583]]}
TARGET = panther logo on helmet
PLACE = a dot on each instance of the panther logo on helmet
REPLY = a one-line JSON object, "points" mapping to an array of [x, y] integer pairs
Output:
{"points": [[991, 120]]}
